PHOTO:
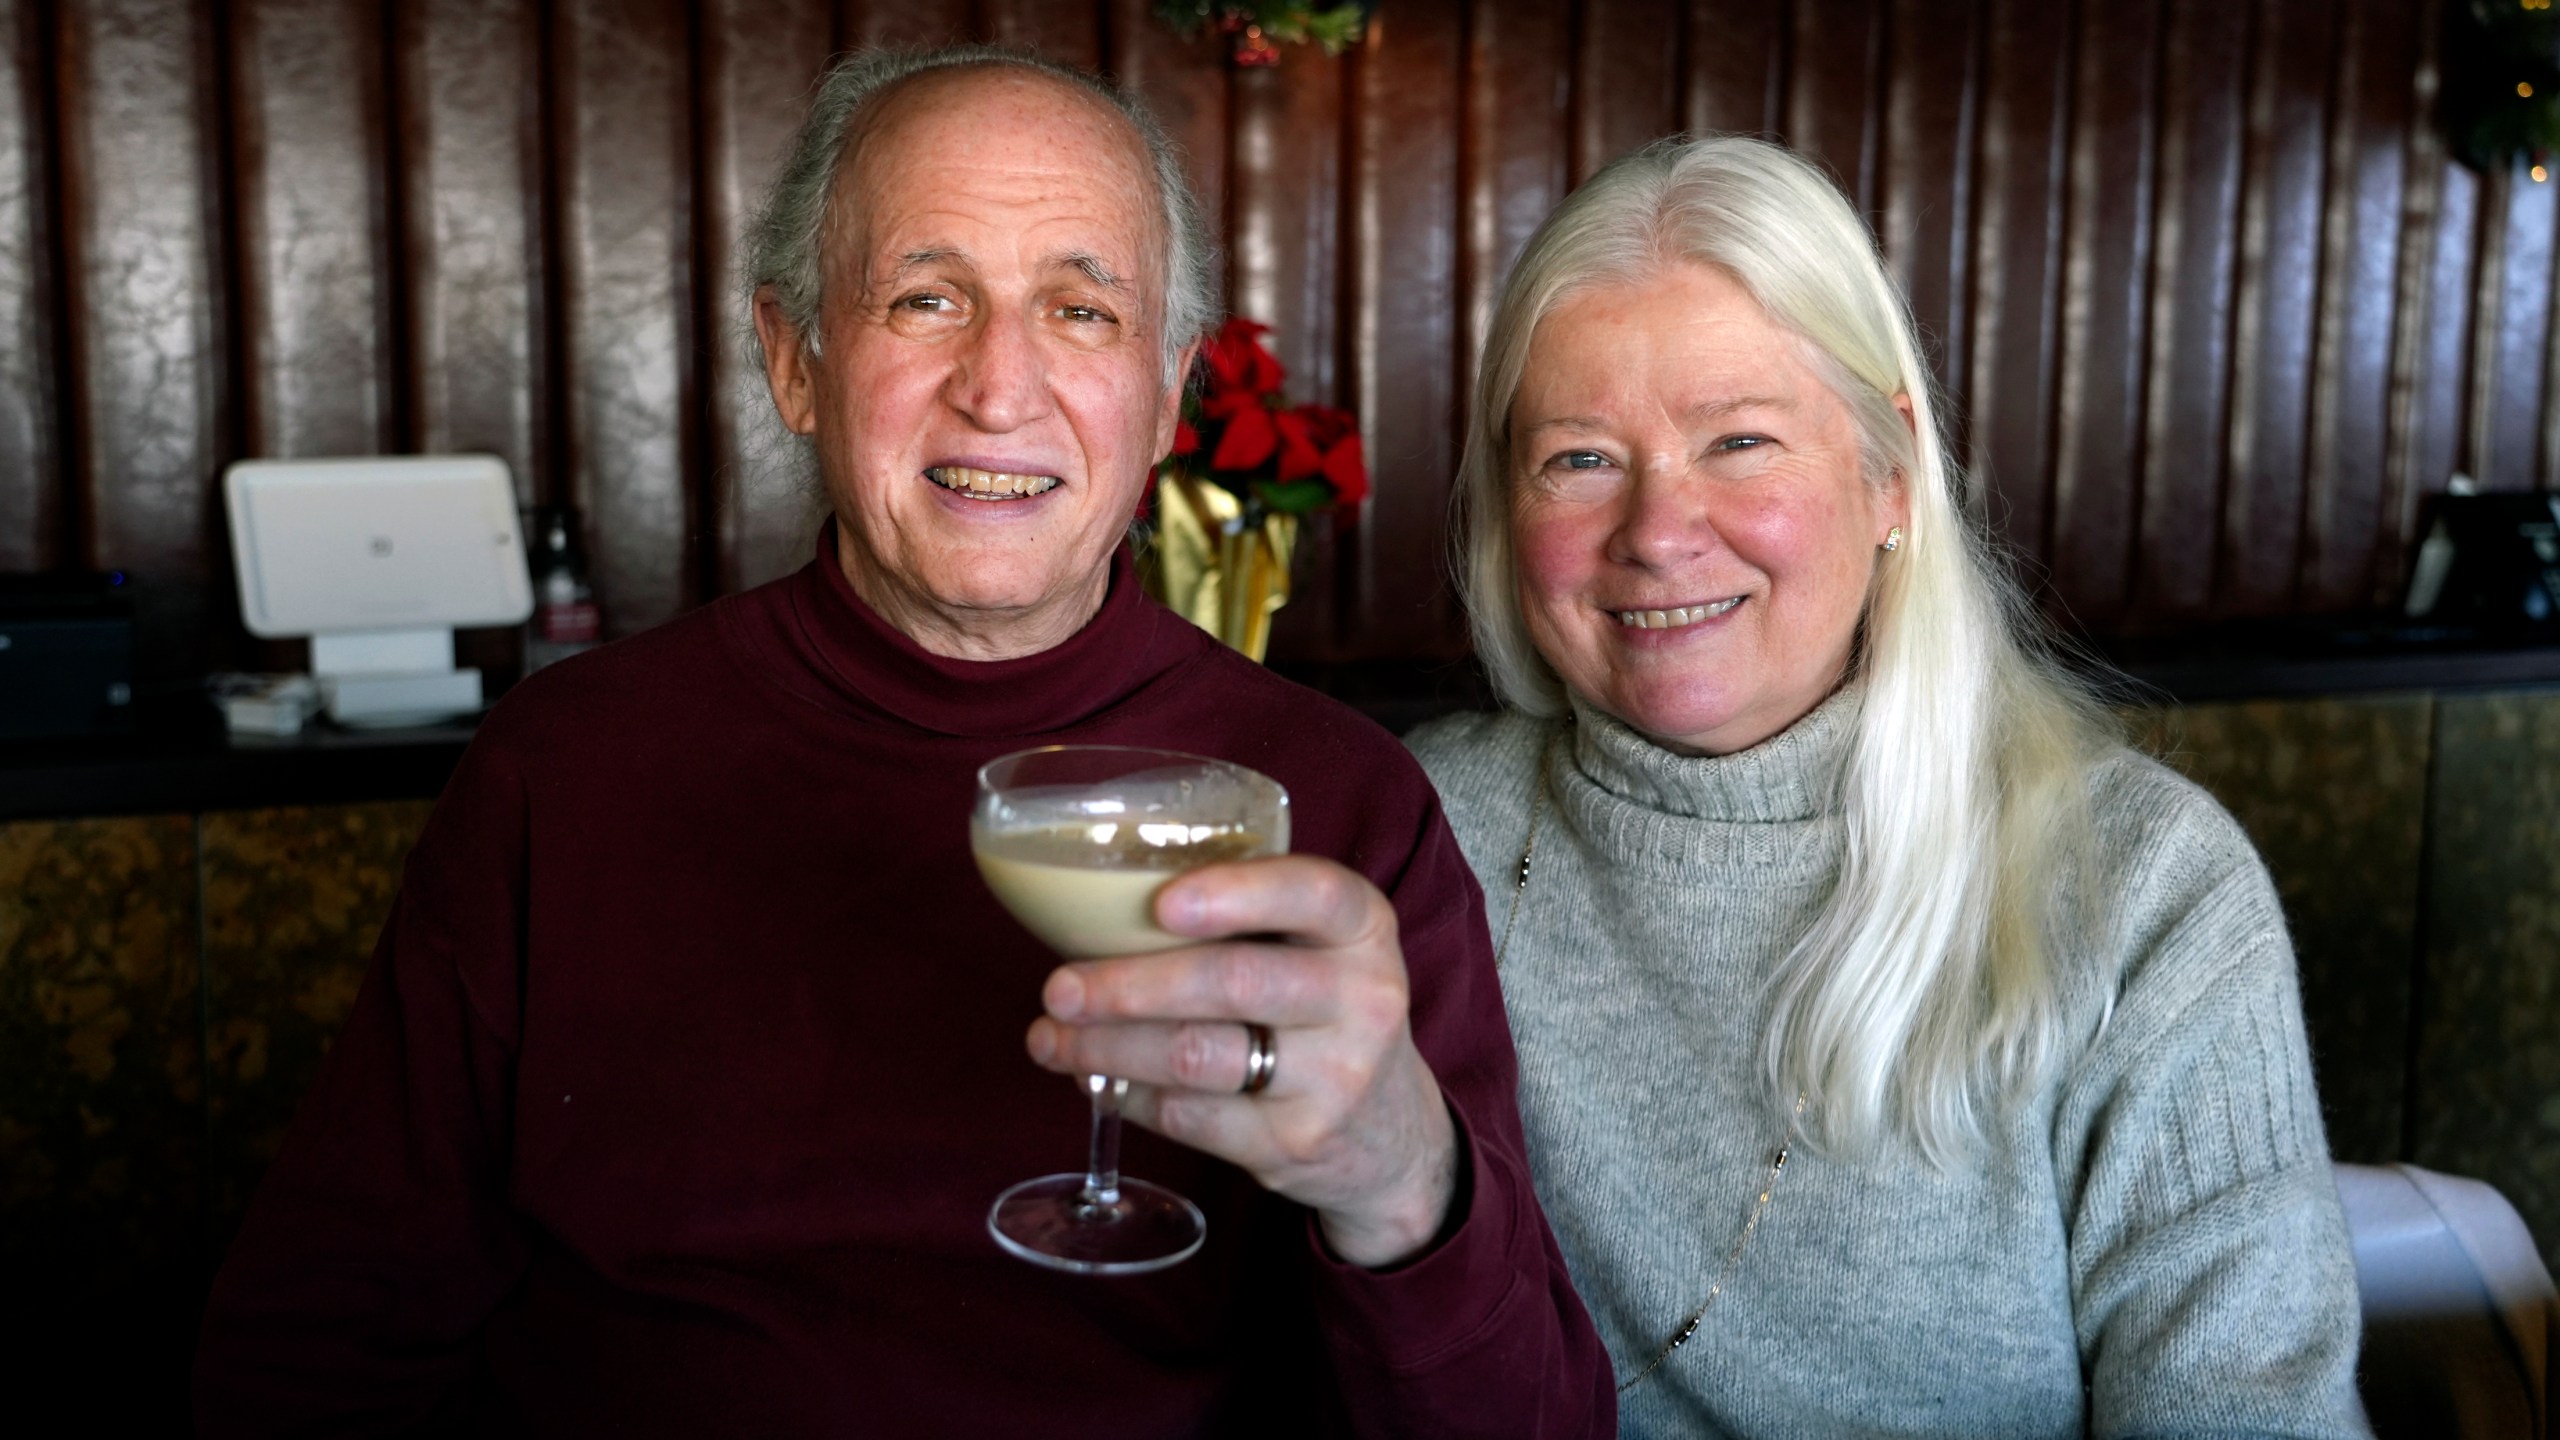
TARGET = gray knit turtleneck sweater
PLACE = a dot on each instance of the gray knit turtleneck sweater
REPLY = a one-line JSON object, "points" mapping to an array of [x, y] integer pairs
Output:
{"points": [[2149, 1245]]}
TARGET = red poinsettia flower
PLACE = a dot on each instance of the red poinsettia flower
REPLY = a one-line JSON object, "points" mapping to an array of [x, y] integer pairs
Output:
{"points": [[1247, 437], [1236, 434], [1318, 440], [1348, 469], [1238, 360]]}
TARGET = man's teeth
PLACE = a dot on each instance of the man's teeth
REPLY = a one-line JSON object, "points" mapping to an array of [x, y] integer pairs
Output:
{"points": [[1675, 617], [993, 484]]}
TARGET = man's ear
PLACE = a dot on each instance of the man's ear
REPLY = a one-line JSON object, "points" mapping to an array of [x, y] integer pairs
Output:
{"points": [[1169, 413], [788, 365]]}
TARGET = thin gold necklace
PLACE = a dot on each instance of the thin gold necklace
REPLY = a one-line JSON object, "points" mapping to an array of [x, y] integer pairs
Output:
{"points": [[1777, 1166]]}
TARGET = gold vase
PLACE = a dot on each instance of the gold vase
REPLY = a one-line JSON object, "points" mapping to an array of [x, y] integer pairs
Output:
{"points": [[1216, 570]]}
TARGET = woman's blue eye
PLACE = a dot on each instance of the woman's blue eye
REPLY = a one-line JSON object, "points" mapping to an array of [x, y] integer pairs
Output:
{"points": [[1582, 459], [1740, 442]]}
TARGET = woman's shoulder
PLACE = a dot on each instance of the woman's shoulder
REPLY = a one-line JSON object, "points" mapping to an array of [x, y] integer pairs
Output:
{"points": [[2189, 1115], [2145, 812], [1475, 754], [1482, 764], [2190, 902]]}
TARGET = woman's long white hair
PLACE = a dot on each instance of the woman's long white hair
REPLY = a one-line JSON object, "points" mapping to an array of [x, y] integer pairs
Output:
{"points": [[1922, 998]]}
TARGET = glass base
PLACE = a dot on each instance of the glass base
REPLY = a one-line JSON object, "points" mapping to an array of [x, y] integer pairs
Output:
{"points": [[1048, 1222]]}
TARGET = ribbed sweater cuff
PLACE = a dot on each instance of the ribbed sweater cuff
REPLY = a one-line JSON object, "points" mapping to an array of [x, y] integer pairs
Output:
{"points": [[1418, 1314]]}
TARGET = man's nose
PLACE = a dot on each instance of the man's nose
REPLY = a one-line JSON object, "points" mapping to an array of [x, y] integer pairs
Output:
{"points": [[1000, 382], [1667, 519]]}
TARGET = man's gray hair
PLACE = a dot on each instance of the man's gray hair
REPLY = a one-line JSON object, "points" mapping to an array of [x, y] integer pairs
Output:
{"points": [[786, 245]]}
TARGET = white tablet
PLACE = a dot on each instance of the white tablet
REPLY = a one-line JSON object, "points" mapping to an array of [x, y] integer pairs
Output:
{"points": [[376, 543]]}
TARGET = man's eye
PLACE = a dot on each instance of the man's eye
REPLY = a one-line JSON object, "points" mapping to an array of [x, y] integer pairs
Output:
{"points": [[927, 302], [1087, 314], [1741, 442]]}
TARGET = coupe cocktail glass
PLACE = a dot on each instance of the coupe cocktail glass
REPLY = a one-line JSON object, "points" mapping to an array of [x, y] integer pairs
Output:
{"points": [[1076, 840]]}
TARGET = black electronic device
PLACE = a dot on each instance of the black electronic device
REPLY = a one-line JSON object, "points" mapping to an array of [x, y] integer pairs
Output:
{"points": [[66, 656], [2491, 562]]}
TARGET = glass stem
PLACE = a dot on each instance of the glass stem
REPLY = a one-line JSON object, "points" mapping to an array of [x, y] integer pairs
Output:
{"points": [[1102, 1158]]}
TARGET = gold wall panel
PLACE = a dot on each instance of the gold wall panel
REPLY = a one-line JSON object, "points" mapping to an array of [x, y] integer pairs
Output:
{"points": [[101, 1137], [293, 900], [2485, 1095]]}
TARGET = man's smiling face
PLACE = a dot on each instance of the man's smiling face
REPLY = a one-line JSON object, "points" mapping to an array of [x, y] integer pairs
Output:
{"points": [[989, 394]]}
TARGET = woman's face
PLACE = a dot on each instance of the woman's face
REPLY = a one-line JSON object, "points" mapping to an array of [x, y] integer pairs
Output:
{"points": [[1694, 536]]}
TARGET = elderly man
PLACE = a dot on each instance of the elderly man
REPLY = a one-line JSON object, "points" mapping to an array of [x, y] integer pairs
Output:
{"points": [[693, 1053]]}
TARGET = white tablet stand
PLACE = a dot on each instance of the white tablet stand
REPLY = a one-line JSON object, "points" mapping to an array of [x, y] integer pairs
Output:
{"points": [[392, 677], [378, 560]]}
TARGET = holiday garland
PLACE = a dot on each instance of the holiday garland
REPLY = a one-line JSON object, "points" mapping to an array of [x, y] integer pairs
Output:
{"points": [[1260, 27], [2501, 95]]}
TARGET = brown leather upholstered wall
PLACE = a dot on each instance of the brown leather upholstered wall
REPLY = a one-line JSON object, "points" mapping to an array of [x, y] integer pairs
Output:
{"points": [[2217, 310]]}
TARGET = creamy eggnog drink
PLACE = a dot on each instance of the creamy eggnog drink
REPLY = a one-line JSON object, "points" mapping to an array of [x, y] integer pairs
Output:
{"points": [[1075, 841], [1090, 889]]}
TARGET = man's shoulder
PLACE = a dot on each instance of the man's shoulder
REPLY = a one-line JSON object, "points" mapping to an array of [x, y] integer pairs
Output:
{"points": [[1278, 706], [1355, 793], [646, 680]]}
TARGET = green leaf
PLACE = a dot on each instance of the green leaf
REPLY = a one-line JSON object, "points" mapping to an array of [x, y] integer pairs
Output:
{"points": [[1189, 17], [1338, 29], [1296, 497], [1286, 22]]}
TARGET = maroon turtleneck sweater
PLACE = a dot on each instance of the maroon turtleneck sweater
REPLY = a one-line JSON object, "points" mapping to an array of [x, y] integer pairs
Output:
{"points": [[691, 1060]]}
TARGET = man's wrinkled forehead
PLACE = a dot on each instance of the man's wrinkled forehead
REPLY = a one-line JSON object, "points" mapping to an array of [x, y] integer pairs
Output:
{"points": [[920, 111]]}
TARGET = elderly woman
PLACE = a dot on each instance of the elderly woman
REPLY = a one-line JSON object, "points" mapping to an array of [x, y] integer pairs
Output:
{"points": [[1900, 1054], [694, 1051]]}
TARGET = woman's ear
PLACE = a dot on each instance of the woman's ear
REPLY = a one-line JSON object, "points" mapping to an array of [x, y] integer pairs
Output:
{"points": [[1895, 503]]}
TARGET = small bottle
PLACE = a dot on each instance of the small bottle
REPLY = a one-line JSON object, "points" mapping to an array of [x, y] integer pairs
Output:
{"points": [[565, 619]]}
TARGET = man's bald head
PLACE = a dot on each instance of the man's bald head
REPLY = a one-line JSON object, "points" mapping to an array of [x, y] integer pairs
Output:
{"points": [[901, 159], [814, 200]]}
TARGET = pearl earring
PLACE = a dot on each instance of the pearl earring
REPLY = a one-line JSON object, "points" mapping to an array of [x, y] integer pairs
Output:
{"points": [[1892, 540]]}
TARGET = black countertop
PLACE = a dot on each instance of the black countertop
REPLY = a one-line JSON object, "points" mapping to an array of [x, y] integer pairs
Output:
{"points": [[2280, 659], [181, 762]]}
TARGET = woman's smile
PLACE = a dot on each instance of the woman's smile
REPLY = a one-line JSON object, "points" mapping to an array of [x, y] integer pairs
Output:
{"points": [[1676, 617]]}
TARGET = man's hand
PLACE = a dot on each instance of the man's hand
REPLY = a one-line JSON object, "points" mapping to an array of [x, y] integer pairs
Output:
{"points": [[1352, 1125]]}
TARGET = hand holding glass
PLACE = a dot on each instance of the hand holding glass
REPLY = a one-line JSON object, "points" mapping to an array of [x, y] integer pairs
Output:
{"points": [[1076, 840]]}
